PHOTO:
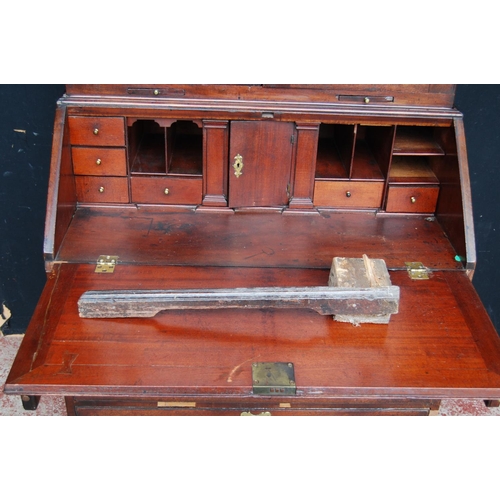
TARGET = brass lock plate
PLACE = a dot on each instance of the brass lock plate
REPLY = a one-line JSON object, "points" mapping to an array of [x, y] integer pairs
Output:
{"points": [[273, 378]]}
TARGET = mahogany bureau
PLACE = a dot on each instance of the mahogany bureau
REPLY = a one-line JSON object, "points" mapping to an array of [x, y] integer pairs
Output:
{"points": [[165, 187]]}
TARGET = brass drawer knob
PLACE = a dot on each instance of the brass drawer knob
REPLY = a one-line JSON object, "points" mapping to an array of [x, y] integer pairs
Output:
{"points": [[367, 100], [413, 199], [98, 161], [156, 92], [167, 191], [96, 131], [101, 189], [348, 194]]}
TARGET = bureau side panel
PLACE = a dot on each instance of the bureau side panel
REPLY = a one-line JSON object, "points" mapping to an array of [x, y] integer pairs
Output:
{"points": [[61, 201]]}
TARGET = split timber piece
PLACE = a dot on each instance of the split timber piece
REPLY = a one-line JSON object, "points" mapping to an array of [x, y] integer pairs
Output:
{"points": [[326, 300], [355, 273]]}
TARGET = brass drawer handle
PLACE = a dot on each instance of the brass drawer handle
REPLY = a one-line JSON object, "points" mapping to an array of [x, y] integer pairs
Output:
{"points": [[96, 131], [98, 161], [167, 191], [238, 165], [348, 194], [413, 199], [250, 414], [101, 189]]}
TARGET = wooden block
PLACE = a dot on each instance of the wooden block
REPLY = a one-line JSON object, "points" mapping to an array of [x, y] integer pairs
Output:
{"points": [[360, 273]]}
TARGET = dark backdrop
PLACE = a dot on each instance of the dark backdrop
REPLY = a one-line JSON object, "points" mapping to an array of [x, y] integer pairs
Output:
{"points": [[26, 121]]}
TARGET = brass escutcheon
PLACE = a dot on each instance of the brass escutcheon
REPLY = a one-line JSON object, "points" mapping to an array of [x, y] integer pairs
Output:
{"points": [[238, 165]]}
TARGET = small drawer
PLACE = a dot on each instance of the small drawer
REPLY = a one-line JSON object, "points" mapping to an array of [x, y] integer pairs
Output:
{"points": [[348, 194], [96, 131], [412, 199], [99, 161], [101, 189], [166, 190]]}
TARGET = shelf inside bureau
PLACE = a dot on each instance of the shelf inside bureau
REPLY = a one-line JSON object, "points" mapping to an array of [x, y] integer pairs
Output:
{"points": [[412, 140], [412, 170]]}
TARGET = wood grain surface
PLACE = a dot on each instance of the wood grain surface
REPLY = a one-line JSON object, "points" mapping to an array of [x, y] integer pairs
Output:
{"points": [[151, 236], [432, 347]]}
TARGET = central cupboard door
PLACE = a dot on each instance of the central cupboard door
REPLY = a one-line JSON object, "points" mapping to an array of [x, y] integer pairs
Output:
{"points": [[260, 164]]}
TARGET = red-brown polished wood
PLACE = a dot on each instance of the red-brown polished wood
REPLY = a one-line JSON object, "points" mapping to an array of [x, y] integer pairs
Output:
{"points": [[61, 202], [96, 131], [419, 94], [99, 161], [91, 189], [412, 199], [431, 345], [348, 194], [167, 190], [264, 180], [148, 235], [305, 165], [215, 171]]}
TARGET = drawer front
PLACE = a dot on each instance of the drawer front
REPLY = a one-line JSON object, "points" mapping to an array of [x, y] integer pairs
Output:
{"points": [[337, 412], [99, 161], [348, 194], [101, 189], [167, 190], [215, 406], [96, 131], [408, 199]]}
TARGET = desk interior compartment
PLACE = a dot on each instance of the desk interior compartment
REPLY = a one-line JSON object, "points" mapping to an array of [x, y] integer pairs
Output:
{"points": [[424, 159], [165, 147], [352, 165]]}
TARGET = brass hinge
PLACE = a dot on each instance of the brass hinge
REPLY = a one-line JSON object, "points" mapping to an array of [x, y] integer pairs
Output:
{"points": [[417, 271], [273, 378], [106, 264]]}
